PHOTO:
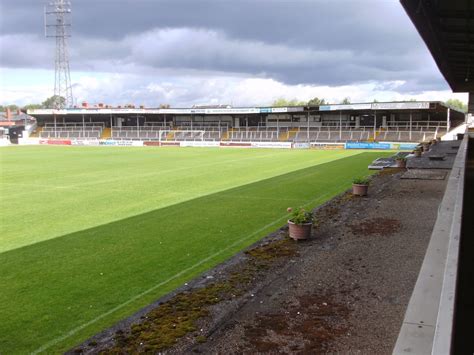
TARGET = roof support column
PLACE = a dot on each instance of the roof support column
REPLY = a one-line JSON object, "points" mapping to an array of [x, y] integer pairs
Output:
{"points": [[340, 125], [411, 124], [448, 119], [375, 125], [307, 119], [470, 104]]}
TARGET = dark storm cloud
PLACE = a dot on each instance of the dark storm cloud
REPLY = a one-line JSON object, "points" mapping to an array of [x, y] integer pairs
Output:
{"points": [[300, 41]]}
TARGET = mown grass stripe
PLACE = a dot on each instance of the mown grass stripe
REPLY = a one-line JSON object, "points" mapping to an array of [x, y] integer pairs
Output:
{"points": [[55, 287], [84, 182]]}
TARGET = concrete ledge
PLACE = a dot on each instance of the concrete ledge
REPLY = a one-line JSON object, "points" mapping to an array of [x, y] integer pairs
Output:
{"points": [[427, 327]]}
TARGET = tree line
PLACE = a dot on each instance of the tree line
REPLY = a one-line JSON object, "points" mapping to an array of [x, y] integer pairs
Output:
{"points": [[50, 103], [313, 102], [454, 103]]}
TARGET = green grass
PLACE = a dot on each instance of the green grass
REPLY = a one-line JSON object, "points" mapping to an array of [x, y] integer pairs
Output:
{"points": [[90, 235]]}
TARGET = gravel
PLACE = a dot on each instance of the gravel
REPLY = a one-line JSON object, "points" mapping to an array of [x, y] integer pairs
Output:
{"points": [[348, 289]]}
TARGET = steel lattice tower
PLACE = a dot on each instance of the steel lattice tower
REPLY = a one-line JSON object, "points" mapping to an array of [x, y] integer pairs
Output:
{"points": [[58, 25]]}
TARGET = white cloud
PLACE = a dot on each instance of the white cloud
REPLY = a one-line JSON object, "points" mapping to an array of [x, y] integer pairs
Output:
{"points": [[184, 90]]}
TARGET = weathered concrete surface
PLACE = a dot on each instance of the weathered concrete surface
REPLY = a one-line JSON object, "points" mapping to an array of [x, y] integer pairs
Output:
{"points": [[427, 326], [359, 271], [423, 319], [425, 174], [446, 149]]}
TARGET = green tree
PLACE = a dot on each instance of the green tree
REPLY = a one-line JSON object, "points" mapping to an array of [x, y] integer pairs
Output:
{"points": [[346, 100], [284, 102], [53, 101], [458, 104], [12, 107], [316, 102], [32, 107]]}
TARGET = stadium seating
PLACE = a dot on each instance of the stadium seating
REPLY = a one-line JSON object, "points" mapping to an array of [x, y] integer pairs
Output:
{"points": [[71, 131], [398, 132]]}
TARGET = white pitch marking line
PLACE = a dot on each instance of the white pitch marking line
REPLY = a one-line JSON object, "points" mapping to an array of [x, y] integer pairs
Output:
{"points": [[79, 328]]}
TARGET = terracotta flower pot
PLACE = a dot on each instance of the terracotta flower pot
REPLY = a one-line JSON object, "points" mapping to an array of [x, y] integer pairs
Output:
{"points": [[299, 231], [401, 163], [360, 190]]}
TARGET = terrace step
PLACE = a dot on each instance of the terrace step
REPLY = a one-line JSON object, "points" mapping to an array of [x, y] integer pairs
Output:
{"points": [[226, 135], [285, 136], [36, 133], [170, 136], [292, 133], [106, 133]]}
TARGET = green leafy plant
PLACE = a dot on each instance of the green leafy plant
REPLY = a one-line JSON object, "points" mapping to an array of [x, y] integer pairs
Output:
{"points": [[299, 215], [361, 180]]}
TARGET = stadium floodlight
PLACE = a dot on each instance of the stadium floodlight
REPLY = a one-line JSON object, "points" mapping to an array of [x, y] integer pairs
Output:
{"points": [[57, 24]]}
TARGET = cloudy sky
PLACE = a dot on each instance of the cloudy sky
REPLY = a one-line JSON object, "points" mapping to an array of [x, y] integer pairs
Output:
{"points": [[239, 52]]}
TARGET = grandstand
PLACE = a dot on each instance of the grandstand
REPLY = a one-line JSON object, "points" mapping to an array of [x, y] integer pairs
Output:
{"points": [[72, 130], [365, 122]]}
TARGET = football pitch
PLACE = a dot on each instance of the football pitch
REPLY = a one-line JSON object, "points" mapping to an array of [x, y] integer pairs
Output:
{"points": [[89, 235]]}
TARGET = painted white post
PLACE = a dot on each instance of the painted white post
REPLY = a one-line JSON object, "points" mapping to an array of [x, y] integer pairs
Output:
{"points": [[411, 121], [340, 125], [308, 125], [448, 120], [375, 125]]}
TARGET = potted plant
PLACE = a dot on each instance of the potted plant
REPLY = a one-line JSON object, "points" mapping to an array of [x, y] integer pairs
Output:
{"points": [[401, 162], [417, 152], [360, 186], [299, 223]]}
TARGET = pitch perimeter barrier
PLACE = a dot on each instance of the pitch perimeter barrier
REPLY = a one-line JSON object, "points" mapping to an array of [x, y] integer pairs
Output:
{"points": [[55, 141], [281, 145], [301, 145], [85, 142], [366, 145], [235, 144], [222, 144], [199, 144], [327, 146]]}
